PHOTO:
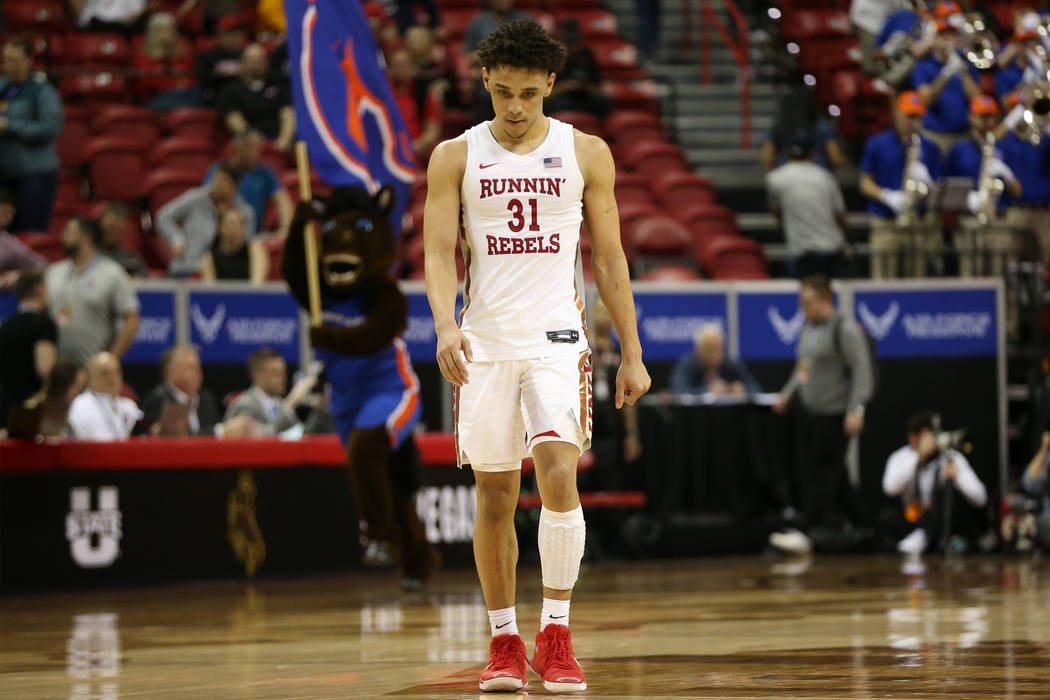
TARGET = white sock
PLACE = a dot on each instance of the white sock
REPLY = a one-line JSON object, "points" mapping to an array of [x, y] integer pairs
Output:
{"points": [[555, 612], [503, 621]]}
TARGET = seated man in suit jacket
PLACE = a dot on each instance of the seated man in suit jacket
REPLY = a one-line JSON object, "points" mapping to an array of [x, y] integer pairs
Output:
{"points": [[263, 401], [179, 405]]}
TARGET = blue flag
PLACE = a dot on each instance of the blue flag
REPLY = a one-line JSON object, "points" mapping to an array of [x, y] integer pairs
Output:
{"points": [[345, 109]]}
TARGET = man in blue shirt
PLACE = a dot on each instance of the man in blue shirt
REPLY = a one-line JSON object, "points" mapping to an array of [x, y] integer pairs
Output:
{"points": [[982, 240], [905, 39], [947, 83], [259, 183], [707, 371], [1031, 164], [899, 228]]}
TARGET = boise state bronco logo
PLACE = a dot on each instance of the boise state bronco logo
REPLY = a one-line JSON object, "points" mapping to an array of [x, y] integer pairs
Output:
{"points": [[344, 105]]}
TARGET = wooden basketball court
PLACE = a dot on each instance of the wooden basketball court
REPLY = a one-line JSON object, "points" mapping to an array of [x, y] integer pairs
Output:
{"points": [[717, 628]]}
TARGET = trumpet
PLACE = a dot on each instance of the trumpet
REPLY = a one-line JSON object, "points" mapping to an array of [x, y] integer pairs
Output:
{"points": [[977, 43]]}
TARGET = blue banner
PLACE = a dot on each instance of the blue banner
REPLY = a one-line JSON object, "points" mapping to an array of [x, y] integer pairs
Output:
{"points": [[230, 326], [668, 322], [770, 325], [930, 323], [156, 327], [420, 337], [344, 106]]}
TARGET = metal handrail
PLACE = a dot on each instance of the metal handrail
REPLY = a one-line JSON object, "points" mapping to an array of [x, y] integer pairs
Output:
{"points": [[740, 48]]}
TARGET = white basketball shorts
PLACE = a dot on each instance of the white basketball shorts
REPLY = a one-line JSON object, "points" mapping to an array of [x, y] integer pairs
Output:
{"points": [[510, 406]]}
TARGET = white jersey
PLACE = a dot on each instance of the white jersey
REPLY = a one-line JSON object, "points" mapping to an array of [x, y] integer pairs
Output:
{"points": [[521, 239]]}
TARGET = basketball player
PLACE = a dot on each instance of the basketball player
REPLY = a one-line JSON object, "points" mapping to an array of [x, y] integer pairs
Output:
{"points": [[518, 357]]}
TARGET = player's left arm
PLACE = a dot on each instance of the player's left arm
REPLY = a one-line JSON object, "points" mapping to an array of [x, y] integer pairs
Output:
{"points": [[609, 263]]}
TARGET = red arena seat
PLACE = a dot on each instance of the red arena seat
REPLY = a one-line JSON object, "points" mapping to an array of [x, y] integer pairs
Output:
{"points": [[631, 126], [116, 168], [618, 58], [71, 141], [660, 236], [595, 23], [98, 50], [585, 122], [94, 88], [734, 257], [127, 121], [639, 95], [678, 190], [166, 184], [671, 273], [186, 153], [34, 15], [194, 121], [653, 158], [632, 188]]}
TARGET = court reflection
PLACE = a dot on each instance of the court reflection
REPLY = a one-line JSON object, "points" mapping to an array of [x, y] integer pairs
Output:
{"points": [[93, 657]]}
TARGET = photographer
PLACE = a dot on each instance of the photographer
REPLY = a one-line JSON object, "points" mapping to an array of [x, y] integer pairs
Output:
{"points": [[927, 474], [1034, 484]]}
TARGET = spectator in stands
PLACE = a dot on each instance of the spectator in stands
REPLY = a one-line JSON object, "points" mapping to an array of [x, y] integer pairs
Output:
{"points": [[947, 82], [707, 371], [265, 401], [28, 344], [383, 26], [867, 18], [579, 84], [15, 255], [46, 413], [232, 255], [416, 13], [221, 64], [259, 184], [983, 245], [496, 14], [420, 104], [922, 473], [180, 406], [101, 413], [113, 225], [899, 231], [92, 300], [832, 382], [1034, 482], [30, 121], [163, 68], [647, 35], [808, 203], [616, 441], [797, 110], [254, 102], [123, 16], [432, 65], [190, 221]]}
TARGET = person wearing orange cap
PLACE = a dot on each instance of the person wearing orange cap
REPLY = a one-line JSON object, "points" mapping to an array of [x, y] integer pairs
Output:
{"points": [[983, 246], [883, 173], [947, 83], [1018, 62]]}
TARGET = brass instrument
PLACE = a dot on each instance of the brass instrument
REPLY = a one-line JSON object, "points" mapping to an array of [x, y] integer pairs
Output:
{"points": [[914, 189], [1036, 115], [990, 188], [978, 44]]}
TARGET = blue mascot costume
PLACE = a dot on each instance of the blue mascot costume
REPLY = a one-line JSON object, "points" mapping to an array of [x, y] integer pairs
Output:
{"points": [[375, 397]]}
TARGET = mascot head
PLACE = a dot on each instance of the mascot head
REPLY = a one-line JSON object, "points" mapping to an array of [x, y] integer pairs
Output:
{"points": [[357, 242]]}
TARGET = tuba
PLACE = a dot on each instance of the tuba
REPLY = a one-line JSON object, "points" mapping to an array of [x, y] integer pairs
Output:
{"points": [[914, 189], [990, 188]]}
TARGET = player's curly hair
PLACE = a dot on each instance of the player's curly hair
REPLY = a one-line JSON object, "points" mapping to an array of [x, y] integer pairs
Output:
{"points": [[522, 44]]}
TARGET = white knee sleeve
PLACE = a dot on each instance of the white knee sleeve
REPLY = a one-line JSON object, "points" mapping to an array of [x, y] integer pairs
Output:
{"points": [[562, 537]]}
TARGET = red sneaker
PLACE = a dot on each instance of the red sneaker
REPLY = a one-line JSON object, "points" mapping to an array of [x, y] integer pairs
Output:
{"points": [[507, 663], [554, 661]]}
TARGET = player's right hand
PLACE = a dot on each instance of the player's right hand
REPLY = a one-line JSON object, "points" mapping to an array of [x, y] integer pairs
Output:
{"points": [[453, 354]]}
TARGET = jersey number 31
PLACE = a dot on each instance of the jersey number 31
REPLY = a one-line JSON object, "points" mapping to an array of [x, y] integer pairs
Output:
{"points": [[517, 209]]}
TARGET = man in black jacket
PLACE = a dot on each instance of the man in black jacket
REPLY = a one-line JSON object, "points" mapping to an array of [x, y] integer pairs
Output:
{"points": [[179, 405]]}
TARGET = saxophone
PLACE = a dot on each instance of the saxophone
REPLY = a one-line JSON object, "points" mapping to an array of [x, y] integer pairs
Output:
{"points": [[990, 188], [914, 189]]}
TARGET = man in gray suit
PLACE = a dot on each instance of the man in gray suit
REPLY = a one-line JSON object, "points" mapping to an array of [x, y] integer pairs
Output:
{"points": [[263, 400]]}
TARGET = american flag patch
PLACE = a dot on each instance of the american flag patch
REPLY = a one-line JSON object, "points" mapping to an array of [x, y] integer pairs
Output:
{"points": [[554, 162]]}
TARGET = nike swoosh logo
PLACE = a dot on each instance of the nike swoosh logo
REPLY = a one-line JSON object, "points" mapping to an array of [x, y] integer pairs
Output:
{"points": [[483, 166], [502, 626], [552, 617]]}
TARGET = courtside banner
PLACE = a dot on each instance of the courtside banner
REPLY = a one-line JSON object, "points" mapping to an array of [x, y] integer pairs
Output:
{"points": [[770, 325], [229, 326], [668, 322], [420, 336], [344, 107], [930, 323], [156, 331]]}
